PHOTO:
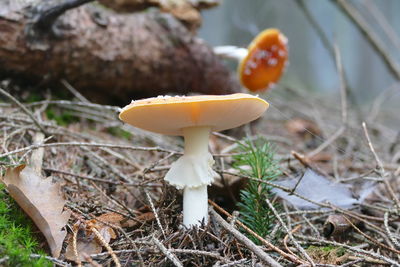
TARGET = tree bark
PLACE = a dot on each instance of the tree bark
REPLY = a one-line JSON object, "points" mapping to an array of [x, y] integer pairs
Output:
{"points": [[110, 57]]}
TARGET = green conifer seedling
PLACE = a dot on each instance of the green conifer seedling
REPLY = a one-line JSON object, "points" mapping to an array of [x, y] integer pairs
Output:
{"points": [[256, 160]]}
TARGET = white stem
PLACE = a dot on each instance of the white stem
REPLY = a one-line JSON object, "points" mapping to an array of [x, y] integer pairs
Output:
{"points": [[193, 172], [195, 207], [195, 199], [196, 140], [231, 52]]}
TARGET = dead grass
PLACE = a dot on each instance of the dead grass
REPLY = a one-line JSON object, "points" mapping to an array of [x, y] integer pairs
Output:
{"points": [[105, 166]]}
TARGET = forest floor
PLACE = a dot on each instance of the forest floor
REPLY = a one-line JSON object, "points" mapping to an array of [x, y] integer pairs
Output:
{"points": [[111, 176]]}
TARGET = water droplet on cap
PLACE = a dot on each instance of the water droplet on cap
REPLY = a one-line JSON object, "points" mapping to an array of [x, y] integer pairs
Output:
{"points": [[272, 61]]}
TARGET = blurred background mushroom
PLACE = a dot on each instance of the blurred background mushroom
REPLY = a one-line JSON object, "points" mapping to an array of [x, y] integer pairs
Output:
{"points": [[262, 64], [312, 66]]}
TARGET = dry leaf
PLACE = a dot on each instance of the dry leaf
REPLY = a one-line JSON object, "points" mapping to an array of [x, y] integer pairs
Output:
{"points": [[142, 218], [302, 127], [106, 231], [110, 218], [86, 241], [41, 200], [307, 130], [317, 188]]}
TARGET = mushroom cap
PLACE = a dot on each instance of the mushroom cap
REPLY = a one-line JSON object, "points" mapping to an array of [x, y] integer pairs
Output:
{"points": [[265, 61], [169, 115]]}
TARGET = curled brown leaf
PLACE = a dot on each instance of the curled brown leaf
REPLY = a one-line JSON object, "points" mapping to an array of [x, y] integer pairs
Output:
{"points": [[42, 201]]}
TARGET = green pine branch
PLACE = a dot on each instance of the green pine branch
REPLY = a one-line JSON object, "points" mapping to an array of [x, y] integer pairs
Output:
{"points": [[256, 160]]}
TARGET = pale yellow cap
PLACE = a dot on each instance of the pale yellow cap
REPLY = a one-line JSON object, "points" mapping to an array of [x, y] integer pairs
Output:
{"points": [[168, 115]]}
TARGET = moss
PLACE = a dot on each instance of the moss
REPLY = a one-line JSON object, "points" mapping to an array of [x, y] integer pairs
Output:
{"points": [[118, 132], [17, 241], [327, 254], [62, 118], [33, 97]]}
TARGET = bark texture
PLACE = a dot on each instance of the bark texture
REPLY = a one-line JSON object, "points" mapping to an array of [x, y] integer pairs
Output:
{"points": [[111, 57]]}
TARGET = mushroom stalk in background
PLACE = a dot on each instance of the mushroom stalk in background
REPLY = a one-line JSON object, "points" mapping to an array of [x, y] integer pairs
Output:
{"points": [[193, 117], [231, 52], [262, 63]]}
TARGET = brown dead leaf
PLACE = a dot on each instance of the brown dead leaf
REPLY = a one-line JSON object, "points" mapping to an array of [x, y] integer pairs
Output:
{"points": [[142, 218], [42, 201], [308, 131], [102, 224], [87, 242], [301, 127], [110, 217]]}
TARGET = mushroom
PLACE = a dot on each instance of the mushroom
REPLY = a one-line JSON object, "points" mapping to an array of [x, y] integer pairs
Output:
{"points": [[262, 63], [193, 117]]}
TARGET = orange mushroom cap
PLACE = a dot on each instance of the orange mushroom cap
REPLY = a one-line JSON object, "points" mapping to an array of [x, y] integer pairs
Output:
{"points": [[169, 115], [265, 61]]}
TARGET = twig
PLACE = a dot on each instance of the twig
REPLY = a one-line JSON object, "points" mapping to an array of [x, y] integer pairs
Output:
{"points": [[138, 148], [234, 263], [357, 250], [24, 109], [352, 263], [145, 183], [372, 239], [353, 14], [105, 244], [245, 241], [31, 147], [167, 253], [118, 228], [74, 91], [90, 260], [286, 238], [383, 22], [265, 242], [343, 85], [381, 168], [390, 234], [106, 165], [198, 252], [74, 235], [299, 248], [155, 213], [75, 103], [183, 251], [37, 155], [343, 101], [54, 260], [320, 32]]}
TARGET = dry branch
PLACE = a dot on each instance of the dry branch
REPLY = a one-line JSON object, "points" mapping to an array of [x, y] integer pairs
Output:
{"points": [[354, 15], [107, 56], [247, 242]]}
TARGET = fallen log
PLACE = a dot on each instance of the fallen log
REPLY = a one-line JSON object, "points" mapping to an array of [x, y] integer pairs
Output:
{"points": [[108, 57]]}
